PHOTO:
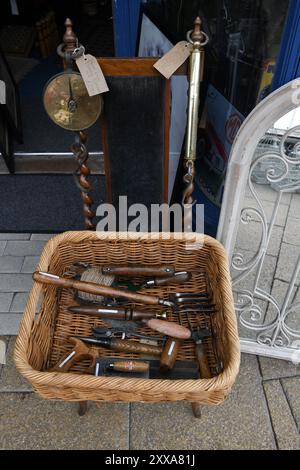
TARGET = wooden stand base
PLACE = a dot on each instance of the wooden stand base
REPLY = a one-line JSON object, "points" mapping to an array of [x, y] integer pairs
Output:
{"points": [[82, 408], [196, 407]]}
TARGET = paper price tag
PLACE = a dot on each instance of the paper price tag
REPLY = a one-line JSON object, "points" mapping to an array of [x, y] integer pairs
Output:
{"points": [[92, 75], [173, 59]]}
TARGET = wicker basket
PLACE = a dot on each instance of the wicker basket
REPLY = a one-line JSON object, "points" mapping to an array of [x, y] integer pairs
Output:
{"points": [[46, 325]]}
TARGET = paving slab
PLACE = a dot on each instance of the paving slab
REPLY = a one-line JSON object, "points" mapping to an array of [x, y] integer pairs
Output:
{"points": [[268, 206], [5, 301], [277, 368], [28, 422], [19, 302], [292, 232], [266, 276], [291, 387], [24, 248], [15, 282], [42, 236], [284, 424], [279, 292], [11, 380], [266, 193], [250, 236], [15, 236], [287, 261], [295, 206], [242, 422], [2, 247], [11, 264], [9, 323], [30, 264], [3, 351]]}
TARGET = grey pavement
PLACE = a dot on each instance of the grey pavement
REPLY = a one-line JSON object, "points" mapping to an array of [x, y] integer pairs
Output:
{"points": [[261, 412], [19, 255]]}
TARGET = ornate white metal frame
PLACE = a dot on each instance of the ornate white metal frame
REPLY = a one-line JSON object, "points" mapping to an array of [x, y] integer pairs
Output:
{"points": [[274, 337]]}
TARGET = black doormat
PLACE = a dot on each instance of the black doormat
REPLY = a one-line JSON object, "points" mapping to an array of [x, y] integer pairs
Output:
{"points": [[44, 203]]}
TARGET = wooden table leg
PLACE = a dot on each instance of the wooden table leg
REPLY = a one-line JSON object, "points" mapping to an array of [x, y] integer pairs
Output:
{"points": [[82, 408], [196, 407]]}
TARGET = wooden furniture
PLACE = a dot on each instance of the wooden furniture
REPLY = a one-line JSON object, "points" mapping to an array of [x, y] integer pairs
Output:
{"points": [[135, 130]]}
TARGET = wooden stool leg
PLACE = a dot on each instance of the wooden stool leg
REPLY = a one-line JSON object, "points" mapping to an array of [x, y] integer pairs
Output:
{"points": [[82, 408], [196, 407]]}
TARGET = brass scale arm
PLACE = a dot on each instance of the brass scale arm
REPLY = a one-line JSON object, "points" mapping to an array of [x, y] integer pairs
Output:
{"points": [[198, 39]]}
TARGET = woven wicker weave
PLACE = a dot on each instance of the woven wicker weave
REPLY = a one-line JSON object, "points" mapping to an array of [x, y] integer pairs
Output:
{"points": [[44, 330]]}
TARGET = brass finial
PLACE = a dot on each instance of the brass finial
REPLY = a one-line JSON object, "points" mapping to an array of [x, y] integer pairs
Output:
{"points": [[69, 38], [197, 35]]}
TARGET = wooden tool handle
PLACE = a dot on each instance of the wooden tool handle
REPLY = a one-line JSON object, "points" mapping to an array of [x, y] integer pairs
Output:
{"points": [[169, 354], [130, 366], [175, 279], [124, 345], [147, 271], [168, 328], [92, 288], [204, 368], [79, 353], [112, 313]]}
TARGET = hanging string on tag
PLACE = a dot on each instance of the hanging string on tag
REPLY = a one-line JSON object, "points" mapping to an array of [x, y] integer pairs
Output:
{"points": [[173, 59], [92, 74]]}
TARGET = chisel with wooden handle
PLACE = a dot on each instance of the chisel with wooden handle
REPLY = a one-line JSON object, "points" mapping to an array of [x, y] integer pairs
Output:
{"points": [[145, 271], [177, 278], [123, 345], [97, 289], [147, 318], [117, 313]]}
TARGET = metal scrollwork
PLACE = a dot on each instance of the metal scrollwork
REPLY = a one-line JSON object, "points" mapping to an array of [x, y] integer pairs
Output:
{"points": [[280, 170]]}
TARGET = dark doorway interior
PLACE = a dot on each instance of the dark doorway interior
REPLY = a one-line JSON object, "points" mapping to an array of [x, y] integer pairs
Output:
{"points": [[29, 40]]}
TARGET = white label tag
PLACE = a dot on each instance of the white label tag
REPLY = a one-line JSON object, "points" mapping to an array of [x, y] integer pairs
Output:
{"points": [[172, 60], [92, 75]]}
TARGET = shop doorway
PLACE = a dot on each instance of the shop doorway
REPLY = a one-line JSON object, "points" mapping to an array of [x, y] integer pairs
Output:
{"points": [[30, 31]]}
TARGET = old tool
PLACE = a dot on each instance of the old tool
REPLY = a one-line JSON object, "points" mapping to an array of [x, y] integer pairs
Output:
{"points": [[118, 313], [176, 278], [79, 353], [52, 279], [116, 277], [171, 348], [147, 318], [134, 271], [198, 335], [168, 328], [123, 345], [190, 298], [122, 332], [128, 366], [109, 366], [169, 353]]}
